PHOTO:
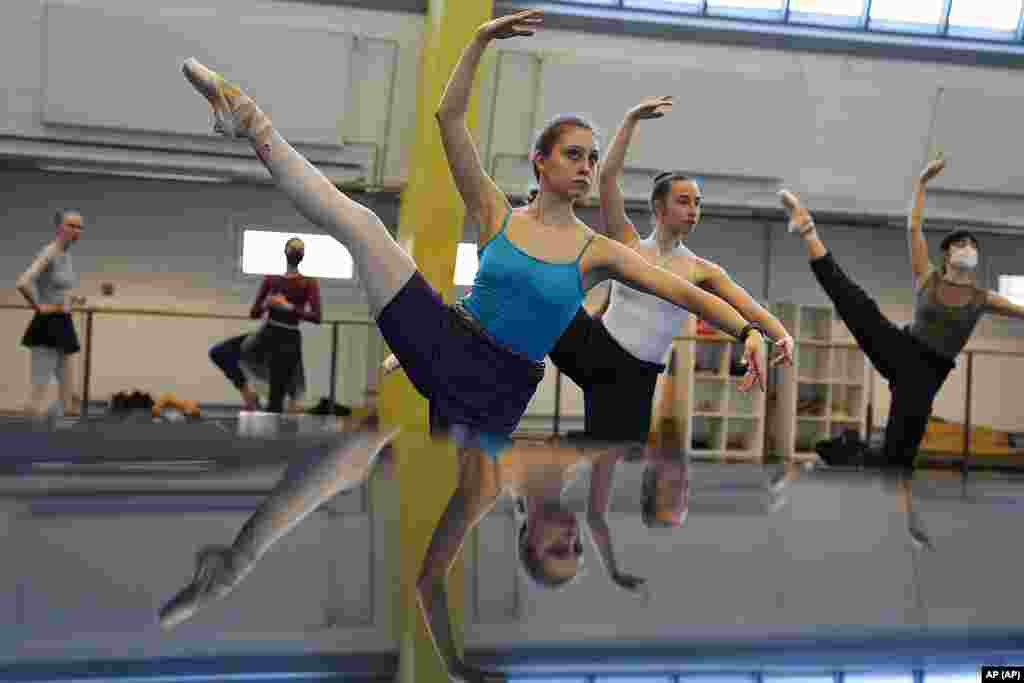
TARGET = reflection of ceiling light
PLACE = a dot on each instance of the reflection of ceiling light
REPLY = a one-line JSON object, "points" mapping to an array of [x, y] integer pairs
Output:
{"points": [[151, 175]]}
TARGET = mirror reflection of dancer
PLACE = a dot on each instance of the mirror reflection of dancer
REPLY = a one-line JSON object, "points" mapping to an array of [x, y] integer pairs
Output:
{"points": [[479, 361], [305, 485], [274, 353], [917, 358], [51, 335]]}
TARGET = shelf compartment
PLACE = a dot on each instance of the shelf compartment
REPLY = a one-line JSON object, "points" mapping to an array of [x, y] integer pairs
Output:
{"points": [[812, 363], [707, 434], [744, 403], [812, 399], [846, 402], [808, 434], [815, 324], [848, 365], [711, 359], [741, 435], [708, 396]]}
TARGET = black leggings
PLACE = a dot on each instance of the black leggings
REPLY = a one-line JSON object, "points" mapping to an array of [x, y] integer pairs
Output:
{"points": [[915, 372], [618, 388], [279, 348]]}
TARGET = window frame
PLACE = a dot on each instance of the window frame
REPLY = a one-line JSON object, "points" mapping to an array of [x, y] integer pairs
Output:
{"points": [[860, 36], [323, 279]]}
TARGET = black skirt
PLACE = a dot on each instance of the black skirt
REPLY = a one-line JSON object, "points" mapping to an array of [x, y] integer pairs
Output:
{"points": [[52, 330]]}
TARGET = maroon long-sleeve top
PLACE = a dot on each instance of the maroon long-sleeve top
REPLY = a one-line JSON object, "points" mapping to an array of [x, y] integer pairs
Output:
{"points": [[301, 292]]}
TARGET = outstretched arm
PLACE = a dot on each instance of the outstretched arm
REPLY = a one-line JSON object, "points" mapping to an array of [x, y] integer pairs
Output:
{"points": [[714, 278], [629, 267], [597, 301], [919, 263], [474, 498], [613, 206], [485, 202], [1000, 305], [602, 479]]}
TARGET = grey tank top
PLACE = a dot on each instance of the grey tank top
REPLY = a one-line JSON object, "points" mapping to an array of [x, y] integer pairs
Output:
{"points": [[56, 279], [944, 329]]}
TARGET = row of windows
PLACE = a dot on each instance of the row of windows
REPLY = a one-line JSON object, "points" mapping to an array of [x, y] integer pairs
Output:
{"points": [[996, 20], [263, 253], [966, 676]]}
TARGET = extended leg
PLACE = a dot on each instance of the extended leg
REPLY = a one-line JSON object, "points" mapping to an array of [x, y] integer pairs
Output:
{"points": [[44, 368], [226, 356], [301, 491], [383, 266]]}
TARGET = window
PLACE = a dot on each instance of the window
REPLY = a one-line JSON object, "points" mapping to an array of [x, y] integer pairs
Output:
{"points": [[907, 15], [955, 20], [679, 6], [466, 264], [755, 9], [902, 677], [1012, 287], [984, 18], [953, 676], [263, 254], [827, 12]]}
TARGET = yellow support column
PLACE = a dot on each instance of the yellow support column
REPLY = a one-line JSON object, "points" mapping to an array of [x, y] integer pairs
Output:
{"points": [[430, 227]]}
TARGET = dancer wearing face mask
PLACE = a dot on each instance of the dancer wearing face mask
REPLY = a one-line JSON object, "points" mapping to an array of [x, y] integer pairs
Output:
{"points": [[917, 358], [274, 354]]}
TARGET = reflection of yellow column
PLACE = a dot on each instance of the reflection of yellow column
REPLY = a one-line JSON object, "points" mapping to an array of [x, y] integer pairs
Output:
{"points": [[430, 226]]}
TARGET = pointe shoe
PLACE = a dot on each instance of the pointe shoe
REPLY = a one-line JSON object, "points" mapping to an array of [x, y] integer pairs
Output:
{"points": [[800, 220], [216, 576], [235, 115], [918, 535]]}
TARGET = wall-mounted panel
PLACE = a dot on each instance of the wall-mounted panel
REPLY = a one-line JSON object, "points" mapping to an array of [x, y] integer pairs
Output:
{"points": [[867, 129], [110, 574], [116, 85], [976, 129], [720, 124]]}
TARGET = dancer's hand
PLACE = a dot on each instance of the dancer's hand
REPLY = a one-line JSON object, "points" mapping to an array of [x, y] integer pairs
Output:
{"points": [[390, 364], [650, 108], [78, 301], [798, 215], [785, 347], [633, 585], [754, 360], [933, 169], [510, 26]]}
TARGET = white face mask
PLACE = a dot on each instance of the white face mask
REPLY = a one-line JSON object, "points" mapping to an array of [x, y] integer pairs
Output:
{"points": [[965, 258]]}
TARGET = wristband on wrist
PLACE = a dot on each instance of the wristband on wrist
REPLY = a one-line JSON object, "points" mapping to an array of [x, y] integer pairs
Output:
{"points": [[801, 228], [748, 328]]}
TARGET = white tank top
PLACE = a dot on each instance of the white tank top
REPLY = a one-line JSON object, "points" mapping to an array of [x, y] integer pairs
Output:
{"points": [[642, 323]]}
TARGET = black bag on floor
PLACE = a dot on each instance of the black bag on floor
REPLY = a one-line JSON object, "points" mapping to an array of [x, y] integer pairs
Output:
{"points": [[845, 450]]}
